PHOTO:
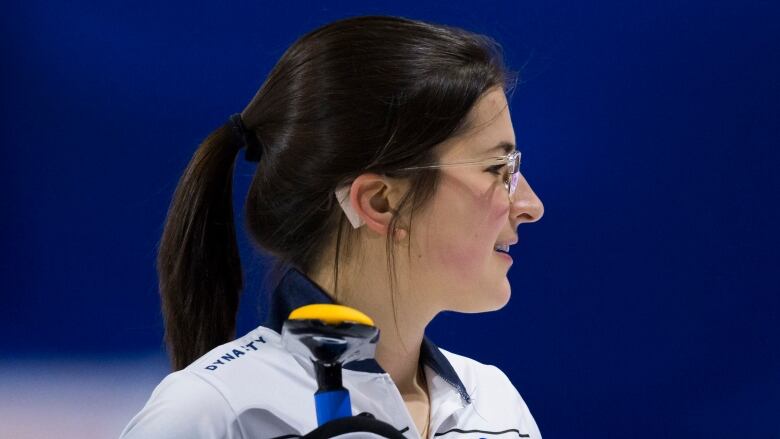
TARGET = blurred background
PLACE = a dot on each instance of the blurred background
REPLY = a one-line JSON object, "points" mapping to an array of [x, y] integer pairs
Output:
{"points": [[645, 302]]}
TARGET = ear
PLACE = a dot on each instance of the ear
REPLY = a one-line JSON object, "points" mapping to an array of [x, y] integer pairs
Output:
{"points": [[373, 198]]}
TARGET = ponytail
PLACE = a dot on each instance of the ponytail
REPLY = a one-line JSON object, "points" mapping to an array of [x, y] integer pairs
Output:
{"points": [[198, 263]]}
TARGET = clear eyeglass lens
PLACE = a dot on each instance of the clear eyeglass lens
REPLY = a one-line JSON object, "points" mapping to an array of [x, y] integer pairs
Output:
{"points": [[515, 162], [513, 179], [513, 175]]}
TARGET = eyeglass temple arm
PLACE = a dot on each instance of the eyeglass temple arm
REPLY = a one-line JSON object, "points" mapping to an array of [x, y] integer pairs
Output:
{"points": [[502, 159]]}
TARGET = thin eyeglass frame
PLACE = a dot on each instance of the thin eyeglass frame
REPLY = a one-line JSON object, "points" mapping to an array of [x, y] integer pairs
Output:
{"points": [[511, 160]]}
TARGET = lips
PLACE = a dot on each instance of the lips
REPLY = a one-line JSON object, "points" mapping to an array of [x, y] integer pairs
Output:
{"points": [[502, 248]]}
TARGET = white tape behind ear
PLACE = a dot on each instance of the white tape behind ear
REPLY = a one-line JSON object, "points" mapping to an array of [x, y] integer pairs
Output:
{"points": [[342, 195]]}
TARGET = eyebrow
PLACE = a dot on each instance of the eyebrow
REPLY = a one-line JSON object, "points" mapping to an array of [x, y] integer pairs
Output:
{"points": [[507, 147]]}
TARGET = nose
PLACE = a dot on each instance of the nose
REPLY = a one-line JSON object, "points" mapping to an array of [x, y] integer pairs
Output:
{"points": [[525, 206]]}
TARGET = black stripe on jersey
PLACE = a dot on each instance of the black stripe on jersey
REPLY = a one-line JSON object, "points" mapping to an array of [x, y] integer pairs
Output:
{"points": [[496, 433], [292, 436]]}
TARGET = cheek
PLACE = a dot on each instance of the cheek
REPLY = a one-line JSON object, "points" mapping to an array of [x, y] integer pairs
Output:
{"points": [[465, 231]]}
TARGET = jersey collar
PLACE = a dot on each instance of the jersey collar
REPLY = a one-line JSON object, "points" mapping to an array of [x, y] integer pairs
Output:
{"points": [[295, 290]]}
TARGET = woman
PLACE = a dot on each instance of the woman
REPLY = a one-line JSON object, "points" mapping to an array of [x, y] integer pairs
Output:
{"points": [[387, 180]]}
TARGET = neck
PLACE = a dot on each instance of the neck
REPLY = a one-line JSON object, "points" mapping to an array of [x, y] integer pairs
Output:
{"points": [[401, 322]]}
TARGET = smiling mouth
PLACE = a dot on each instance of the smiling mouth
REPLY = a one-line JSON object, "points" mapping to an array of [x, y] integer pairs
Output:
{"points": [[502, 248]]}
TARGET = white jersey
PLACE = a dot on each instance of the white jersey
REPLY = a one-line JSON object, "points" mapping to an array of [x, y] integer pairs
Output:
{"points": [[252, 388]]}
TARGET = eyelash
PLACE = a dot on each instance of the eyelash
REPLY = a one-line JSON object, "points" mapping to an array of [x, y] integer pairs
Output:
{"points": [[495, 169]]}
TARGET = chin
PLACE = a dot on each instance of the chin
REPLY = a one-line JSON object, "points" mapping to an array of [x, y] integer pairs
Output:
{"points": [[501, 296], [500, 302], [487, 301]]}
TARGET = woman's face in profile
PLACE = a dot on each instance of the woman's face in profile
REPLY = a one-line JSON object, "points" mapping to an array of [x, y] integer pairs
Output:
{"points": [[455, 234]]}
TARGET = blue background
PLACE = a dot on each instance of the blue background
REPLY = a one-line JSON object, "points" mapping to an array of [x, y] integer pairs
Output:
{"points": [[645, 302]]}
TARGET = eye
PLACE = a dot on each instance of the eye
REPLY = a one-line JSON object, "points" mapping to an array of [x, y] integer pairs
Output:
{"points": [[496, 169]]}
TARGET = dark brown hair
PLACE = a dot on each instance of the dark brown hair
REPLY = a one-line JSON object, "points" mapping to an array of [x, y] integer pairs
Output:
{"points": [[363, 94]]}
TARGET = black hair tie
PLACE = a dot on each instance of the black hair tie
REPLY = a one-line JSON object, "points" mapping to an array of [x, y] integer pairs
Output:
{"points": [[246, 139]]}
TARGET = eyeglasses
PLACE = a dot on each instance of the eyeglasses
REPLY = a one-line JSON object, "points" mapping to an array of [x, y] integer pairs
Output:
{"points": [[511, 161]]}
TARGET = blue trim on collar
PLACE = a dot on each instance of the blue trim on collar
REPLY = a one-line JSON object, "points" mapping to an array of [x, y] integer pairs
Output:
{"points": [[295, 290]]}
